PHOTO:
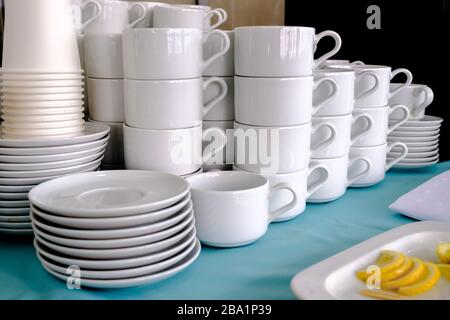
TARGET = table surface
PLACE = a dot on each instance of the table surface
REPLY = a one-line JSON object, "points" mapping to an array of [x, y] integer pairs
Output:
{"points": [[262, 270]]}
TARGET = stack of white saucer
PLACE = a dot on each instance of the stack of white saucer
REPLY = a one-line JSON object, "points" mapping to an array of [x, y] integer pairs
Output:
{"points": [[120, 228], [42, 87]]}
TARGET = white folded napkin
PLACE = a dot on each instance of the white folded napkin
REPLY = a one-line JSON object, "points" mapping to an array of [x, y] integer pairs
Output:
{"points": [[429, 201]]}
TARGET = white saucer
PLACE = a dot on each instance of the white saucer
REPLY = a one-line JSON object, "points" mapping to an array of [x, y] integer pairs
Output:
{"points": [[413, 139], [116, 264], [418, 160], [15, 225], [417, 129], [41, 90], [124, 273], [405, 134], [16, 189], [15, 218], [50, 158], [411, 155], [421, 144], [13, 196], [14, 211], [109, 193], [427, 121], [14, 203], [418, 149], [38, 180], [415, 165], [115, 243], [30, 167], [93, 131], [17, 232], [112, 233], [116, 222]]}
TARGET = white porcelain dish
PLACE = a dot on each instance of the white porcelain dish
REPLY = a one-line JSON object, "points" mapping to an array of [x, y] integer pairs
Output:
{"points": [[419, 160], [109, 193], [15, 225], [420, 144], [14, 211], [334, 278], [419, 149], [417, 129], [417, 165], [411, 155], [14, 203], [404, 134], [15, 219], [14, 196], [16, 189], [17, 232], [426, 121], [414, 139]]}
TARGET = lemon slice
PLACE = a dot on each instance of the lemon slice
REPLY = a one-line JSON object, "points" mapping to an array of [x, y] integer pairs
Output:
{"points": [[398, 272], [409, 278], [425, 283], [445, 270], [382, 294], [387, 261], [443, 252]]}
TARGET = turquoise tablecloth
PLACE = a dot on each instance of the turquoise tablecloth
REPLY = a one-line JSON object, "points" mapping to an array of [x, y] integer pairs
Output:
{"points": [[259, 271]]}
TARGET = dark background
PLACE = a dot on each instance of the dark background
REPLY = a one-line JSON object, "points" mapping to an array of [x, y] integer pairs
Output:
{"points": [[414, 35]]}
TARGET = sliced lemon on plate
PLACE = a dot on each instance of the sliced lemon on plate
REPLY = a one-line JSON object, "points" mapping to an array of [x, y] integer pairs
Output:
{"points": [[387, 261], [443, 252], [399, 271], [382, 294], [414, 274], [425, 283], [444, 269]]}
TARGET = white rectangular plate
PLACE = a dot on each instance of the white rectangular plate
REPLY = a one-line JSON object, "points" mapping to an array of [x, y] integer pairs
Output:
{"points": [[334, 278]]}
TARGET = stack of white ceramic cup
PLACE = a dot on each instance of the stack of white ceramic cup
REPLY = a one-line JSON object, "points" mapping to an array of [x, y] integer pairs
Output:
{"points": [[104, 68], [332, 133], [372, 94], [273, 107], [164, 99], [42, 82]]}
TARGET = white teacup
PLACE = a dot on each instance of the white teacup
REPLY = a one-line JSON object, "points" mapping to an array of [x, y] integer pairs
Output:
{"points": [[111, 16], [381, 128], [103, 55], [273, 102], [332, 136], [170, 104], [224, 65], [276, 51], [334, 93], [206, 10], [186, 17], [179, 151], [174, 53], [231, 208], [415, 97], [342, 173], [222, 159], [224, 109], [106, 100], [272, 149], [114, 155], [135, 13], [377, 156], [299, 182], [372, 85]]}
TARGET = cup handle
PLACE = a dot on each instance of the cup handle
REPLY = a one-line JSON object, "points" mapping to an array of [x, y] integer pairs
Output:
{"points": [[391, 163], [337, 47], [429, 97], [359, 135], [369, 74], [402, 120], [334, 92], [221, 15], [361, 174], [357, 63], [223, 142], [222, 52], [141, 16], [278, 212], [409, 79], [99, 10], [223, 93], [311, 188], [329, 140]]}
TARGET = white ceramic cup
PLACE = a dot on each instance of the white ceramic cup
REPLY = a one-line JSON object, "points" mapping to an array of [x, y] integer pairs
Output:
{"points": [[272, 149], [114, 155], [106, 100], [185, 17], [231, 208], [342, 173], [416, 97], [224, 109], [39, 36], [332, 137], [300, 183], [372, 85], [135, 13], [273, 102], [169, 104], [276, 51], [334, 92], [381, 128], [179, 151], [206, 10], [111, 16], [174, 53], [221, 159], [103, 55], [224, 65], [377, 156]]}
